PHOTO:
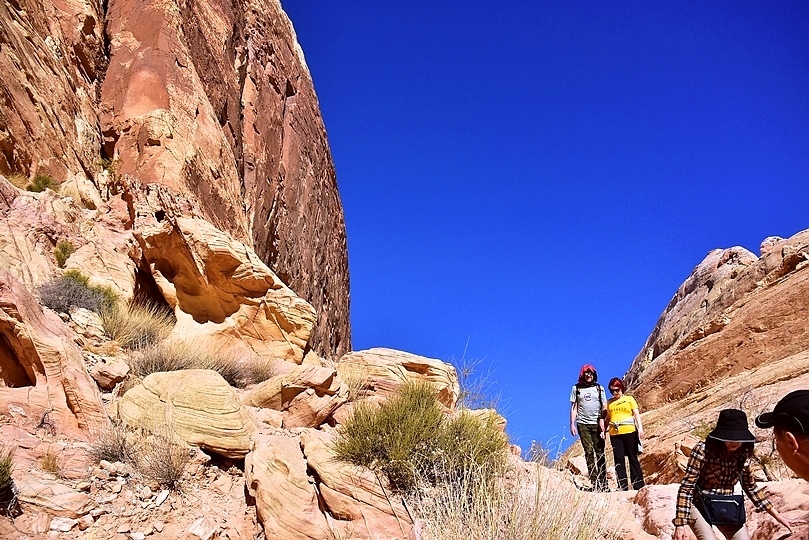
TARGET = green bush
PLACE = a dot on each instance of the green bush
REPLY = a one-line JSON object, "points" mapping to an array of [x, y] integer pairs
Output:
{"points": [[40, 183], [73, 289], [410, 438], [137, 326], [63, 251], [6, 465], [8, 491]]}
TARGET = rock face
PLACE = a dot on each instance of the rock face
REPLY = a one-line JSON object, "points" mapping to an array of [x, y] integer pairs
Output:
{"points": [[237, 129], [380, 372], [222, 294], [234, 128], [198, 405], [42, 374], [734, 312]]}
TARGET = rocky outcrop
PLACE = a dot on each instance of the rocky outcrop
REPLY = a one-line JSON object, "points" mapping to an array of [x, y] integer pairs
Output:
{"points": [[43, 381], [380, 372], [307, 395], [52, 65], [222, 294], [235, 128], [735, 312], [197, 404]]}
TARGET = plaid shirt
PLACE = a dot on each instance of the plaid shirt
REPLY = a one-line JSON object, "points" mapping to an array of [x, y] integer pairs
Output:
{"points": [[717, 475]]}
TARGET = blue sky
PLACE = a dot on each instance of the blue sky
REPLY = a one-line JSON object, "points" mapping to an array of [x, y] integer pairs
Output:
{"points": [[528, 183]]}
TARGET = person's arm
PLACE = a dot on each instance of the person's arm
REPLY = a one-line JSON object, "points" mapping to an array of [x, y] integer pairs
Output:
{"points": [[604, 414], [638, 425], [573, 410], [607, 418], [761, 502], [685, 494]]}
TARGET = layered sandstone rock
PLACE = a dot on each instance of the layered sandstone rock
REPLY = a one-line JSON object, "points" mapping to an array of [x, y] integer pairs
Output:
{"points": [[42, 374], [734, 313], [380, 372], [286, 500], [360, 502], [235, 128], [52, 63], [222, 294], [307, 394], [197, 404]]}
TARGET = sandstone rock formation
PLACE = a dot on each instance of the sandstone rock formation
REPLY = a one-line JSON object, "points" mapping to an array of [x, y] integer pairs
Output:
{"points": [[734, 312], [42, 376], [237, 129], [102, 99], [308, 395], [380, 372], [222, 294], [197, 404]]}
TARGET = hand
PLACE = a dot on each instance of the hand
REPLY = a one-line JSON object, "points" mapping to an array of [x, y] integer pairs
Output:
{"points": [[641, 435], [603, 434], [573, 430], [680, 533], [790, 523]]}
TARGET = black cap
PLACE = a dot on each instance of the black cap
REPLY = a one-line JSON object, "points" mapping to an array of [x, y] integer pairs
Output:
{"points": [[792, 411], [732, 427]]}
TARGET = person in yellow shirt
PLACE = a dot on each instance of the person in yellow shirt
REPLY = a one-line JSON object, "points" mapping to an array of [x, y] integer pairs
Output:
{"points": [[626, 434]]}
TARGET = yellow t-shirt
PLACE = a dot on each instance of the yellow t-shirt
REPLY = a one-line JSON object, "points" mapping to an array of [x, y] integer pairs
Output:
{"points": [[621, 419]]}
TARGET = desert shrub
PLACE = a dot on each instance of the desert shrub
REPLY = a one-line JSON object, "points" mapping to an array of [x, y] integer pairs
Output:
{"points": [[176, 355], [703, 428], [50, 462], [6, 465], [73, 289], [410, 438], [63, 251], [476, 388], [40, 183], [113, 442], [137, 326], [8, 491], [529, 505], [162, 457]]}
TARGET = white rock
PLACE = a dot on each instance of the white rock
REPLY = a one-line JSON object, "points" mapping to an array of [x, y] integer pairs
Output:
{"points": [[203, 528], [62, 524]]}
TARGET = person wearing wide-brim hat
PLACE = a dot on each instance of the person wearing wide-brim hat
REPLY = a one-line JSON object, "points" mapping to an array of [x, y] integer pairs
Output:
{"points": [[715, 467], [790, 420]]}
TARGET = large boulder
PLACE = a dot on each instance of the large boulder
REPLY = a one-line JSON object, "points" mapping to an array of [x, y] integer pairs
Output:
{"points": [[221, 292], [197, 404], [286, 499], [306, 394], [380, 372], [43, 380], [359, 500]]}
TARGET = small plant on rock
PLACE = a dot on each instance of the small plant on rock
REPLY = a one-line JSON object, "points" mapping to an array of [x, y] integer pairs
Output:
{"points": [[40, 183], [8, 491], [73, 290], [18, 180], [49, 462], [63, 251]]}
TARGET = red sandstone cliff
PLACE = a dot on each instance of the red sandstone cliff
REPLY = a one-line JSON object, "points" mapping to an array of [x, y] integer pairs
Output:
{"points": [[212, 100]]}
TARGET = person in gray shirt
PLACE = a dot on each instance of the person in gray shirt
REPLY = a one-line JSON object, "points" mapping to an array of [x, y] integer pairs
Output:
{"points": [[588, 407]]}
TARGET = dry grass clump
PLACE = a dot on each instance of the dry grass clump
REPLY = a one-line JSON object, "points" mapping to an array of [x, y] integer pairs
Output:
{"points": [[162, 457], [525, 506], [137, 326], [8, 491], [410, 438], [18, 180], [73, 289], [114, 442], [175, 355], [49, 462]]}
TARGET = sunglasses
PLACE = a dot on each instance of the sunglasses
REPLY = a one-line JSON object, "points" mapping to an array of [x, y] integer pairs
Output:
{"points": [[614, 389]]}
